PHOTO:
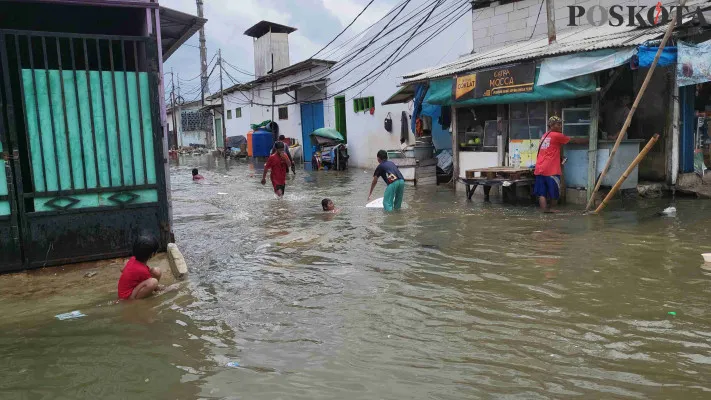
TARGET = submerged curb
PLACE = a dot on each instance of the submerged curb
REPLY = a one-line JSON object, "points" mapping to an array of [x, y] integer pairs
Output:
{"points": [[177, 263]]}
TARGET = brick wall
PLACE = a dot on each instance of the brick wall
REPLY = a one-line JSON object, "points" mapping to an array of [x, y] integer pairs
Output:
{"points": [[502, 24]]}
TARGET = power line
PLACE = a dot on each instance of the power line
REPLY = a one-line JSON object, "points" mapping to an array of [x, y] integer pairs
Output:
{"points": [[344, 29]]}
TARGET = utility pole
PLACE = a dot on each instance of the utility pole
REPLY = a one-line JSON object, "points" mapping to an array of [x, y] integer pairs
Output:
{"points": [[172, 107], [179, 116], [203, 58], [550, 18], [222, 103]]}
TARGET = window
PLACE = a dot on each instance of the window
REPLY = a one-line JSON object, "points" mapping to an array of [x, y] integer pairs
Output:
{"points": [[229, 114], [283, 113], [238, 112], [363, 104]]}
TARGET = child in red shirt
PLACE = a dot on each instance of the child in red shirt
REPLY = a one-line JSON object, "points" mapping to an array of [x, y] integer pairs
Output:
{"points": [[278, 163], [139, 281], [196, 175]]}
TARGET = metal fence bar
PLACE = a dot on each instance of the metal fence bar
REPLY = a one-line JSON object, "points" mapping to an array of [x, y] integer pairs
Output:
{"points": [[64, 109], [51, 111], [140, 114], [115, 189], [91, 112], [76, 94], [103, 108], [24, 106], [39, 124], [128, 110], [117, 123]]}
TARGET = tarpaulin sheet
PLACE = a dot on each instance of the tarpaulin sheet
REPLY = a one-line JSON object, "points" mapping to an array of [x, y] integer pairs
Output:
{"points": [[556, 69], [646, 56], [694, 63], [440, 92]]}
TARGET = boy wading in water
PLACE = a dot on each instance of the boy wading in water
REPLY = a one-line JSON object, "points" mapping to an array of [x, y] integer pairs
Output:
{"points": [[139, 281], [392, 199], [278, 163]]}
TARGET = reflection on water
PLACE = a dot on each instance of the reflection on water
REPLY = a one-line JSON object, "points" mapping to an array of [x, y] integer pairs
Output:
{"points": [[447, 300]]}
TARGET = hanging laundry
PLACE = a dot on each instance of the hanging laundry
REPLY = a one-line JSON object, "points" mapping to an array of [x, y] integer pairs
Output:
{"points": [[404, 129]]}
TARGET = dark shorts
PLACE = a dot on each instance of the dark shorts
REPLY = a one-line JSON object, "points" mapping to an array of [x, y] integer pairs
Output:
{"points": [[280, 187], [547, 186]]}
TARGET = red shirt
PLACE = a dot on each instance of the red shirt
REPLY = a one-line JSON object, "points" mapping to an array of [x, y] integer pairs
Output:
{"points": [[197, 177], [133, 274], [548, 161], [279, 164]]}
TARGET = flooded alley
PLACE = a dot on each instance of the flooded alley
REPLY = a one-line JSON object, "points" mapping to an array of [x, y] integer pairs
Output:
{"points": [[447, 299]]}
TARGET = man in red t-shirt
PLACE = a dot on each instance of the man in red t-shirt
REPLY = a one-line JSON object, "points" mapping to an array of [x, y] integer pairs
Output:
{"points": [[548, 165], [278, 163], [138, 281]]}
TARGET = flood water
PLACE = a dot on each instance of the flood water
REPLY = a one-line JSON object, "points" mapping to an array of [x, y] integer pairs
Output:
{"points": [[447, 299]]}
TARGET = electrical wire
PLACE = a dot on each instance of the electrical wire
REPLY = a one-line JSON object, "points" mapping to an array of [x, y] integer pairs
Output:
{"points": [[344, 29], [539, 16]]}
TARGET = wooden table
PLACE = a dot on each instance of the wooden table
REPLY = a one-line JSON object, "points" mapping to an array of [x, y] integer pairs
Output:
{"points": [[472, 184], [496, 176]]}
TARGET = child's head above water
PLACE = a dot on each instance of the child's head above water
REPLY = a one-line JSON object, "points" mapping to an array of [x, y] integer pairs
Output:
{"points": [[328, 205], [145, 247], [195, 171]]}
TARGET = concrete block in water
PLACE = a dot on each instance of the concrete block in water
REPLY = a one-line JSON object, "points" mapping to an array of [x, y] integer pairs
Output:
{"points": [[177, 263]]}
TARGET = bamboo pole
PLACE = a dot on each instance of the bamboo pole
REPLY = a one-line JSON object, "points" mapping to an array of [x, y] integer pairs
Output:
{"points": [[628, 171], [628, 121]]}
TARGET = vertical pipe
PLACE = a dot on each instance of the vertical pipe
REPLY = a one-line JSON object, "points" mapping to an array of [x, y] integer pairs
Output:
{"points": [[51, 113], [117, 124], [674, 134], [140, 115], [222, 102], [592, 145], [455, 148], [91, 112], [128, 111], [64, 111], [550, 18], [76, 94], [103, 108]]}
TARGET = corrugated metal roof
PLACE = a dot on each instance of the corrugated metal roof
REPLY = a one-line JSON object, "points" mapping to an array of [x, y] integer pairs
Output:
{"points": [[578, 39]]}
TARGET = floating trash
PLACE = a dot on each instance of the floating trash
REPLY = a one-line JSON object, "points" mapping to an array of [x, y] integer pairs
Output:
{"points": [[233, 364], [672, 313], [70, 315]]}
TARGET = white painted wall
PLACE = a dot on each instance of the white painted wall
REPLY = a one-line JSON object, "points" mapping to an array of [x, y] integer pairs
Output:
{"points": [[366, 133], [256, 104], [476, 159]]}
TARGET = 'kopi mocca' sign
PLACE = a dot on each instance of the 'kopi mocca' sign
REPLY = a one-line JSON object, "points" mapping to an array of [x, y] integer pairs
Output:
{"points": [[509, 79]]}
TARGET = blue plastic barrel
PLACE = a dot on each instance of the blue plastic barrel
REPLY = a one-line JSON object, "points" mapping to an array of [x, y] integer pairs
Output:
{"points": [[262, 142]]}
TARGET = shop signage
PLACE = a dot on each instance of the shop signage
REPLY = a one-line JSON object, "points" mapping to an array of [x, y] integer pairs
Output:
{"points": [[463, 87], [504, 80]]}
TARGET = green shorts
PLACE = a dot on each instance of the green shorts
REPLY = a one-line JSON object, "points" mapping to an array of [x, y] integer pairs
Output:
{"points": [[392, 200]]}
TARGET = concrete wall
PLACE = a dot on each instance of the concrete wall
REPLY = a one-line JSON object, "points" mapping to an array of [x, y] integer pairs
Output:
{"points": [[502, 24]]}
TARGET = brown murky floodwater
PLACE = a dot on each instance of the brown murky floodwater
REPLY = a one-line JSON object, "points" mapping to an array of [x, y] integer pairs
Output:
{"points": [[445, 300]]}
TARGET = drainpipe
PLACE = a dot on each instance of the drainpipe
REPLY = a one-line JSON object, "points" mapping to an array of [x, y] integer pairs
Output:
{"points": [[550, 17]]}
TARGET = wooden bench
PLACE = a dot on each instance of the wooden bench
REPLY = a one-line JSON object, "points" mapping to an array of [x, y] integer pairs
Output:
{"points": [[497, 176]]}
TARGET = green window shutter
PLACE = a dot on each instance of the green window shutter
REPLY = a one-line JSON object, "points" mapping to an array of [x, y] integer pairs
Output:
{"points": [[371, 101], [355, 105]]}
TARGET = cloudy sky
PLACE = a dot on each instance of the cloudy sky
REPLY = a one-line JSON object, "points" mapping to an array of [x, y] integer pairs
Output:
{"points": [[317, 21]]}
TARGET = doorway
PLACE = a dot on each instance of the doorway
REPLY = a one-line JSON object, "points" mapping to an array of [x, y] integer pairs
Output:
{"points": [[311, 119], [340, 103]]}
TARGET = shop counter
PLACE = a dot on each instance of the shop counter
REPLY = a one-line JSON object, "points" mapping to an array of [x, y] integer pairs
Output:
{"points": [[575, 170]]}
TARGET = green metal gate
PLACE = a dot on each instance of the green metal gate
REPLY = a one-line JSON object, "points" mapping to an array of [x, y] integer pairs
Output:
{"points": [[81, 118]]}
